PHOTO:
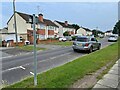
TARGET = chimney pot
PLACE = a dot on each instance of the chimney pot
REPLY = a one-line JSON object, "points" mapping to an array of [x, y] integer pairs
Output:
{"points": [[40, 17], [66, 23]]}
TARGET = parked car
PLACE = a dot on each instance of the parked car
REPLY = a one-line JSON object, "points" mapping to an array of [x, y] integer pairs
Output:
{"points": [[101, 36], [62, 39], [68, 38], [86, 43], [113, 38], [27, 42]]}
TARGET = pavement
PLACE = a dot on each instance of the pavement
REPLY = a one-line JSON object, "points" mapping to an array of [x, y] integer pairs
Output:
{"points": [[111, 79]]}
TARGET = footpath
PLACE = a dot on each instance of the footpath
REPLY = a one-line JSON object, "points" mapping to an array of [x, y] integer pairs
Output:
{"points": [[111, 79]]}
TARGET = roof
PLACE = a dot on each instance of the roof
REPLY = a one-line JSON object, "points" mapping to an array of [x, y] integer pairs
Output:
{"points": [[26, 17], [108, 31], [63, 24], [87, 29], [49, 23]]}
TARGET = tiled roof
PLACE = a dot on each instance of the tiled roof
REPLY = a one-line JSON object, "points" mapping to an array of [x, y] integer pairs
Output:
{"points": [[108, 31], [26, 17], [49, 22], [63, 24], [87, 29]]}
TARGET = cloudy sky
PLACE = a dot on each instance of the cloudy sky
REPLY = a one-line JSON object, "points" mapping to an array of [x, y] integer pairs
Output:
{"points": [[103, 15]]}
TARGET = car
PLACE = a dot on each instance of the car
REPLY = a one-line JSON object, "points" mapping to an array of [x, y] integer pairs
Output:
{"points": [[101, 36], [86, 43], [62, 39], [112, 38], [27, 42]]}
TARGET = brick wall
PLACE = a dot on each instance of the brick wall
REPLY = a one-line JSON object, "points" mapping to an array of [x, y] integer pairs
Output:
{"points": [[50, 32], [41, 31]]}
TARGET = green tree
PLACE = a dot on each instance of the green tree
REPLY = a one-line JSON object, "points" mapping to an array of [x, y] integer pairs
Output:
{"points": [[66, 33], [76, 27], [116, 29], [96, 32]]}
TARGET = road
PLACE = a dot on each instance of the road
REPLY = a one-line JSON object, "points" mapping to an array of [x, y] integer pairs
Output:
{"points": [[16, 68]]}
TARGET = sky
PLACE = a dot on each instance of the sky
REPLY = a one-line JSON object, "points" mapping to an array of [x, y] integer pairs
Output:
{"points": [[103, 15]]}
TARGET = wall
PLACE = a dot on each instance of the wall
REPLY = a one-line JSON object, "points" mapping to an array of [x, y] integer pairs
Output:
{"points": [[21, 25], [60, 29], [81, 31]]}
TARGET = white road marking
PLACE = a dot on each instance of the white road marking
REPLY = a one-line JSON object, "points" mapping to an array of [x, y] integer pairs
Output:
{"points": [[22, 67], [18, 67], [7, 57], [53, 57], [32, 73]]}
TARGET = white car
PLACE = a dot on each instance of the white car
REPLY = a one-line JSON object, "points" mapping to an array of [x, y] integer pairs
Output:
{"points": [[27, 42], [112, 38], [62, 39]]}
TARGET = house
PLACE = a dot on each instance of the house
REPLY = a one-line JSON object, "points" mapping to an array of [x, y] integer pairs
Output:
{"points": [[108, 33], [81, 31], [44, 28], [63, 27], [84, 31]]}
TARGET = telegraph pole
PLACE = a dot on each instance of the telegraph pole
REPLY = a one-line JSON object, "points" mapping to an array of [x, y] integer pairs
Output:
{"points": [[35, 54], [15, 25]]}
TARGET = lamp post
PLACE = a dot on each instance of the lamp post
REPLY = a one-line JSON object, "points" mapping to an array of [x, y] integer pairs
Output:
{"points": [[35, 54], [15, 25]]}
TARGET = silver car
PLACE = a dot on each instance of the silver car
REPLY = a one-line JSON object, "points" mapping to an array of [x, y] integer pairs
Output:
{"points": [[113, 38], [86, 43]]}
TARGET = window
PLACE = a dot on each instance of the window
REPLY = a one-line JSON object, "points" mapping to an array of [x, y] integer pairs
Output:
{"points": [[82, 39], [50, 27], [42, 26], [93, 39]]}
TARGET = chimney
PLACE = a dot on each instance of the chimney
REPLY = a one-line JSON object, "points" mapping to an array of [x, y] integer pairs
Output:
{"points": [[40, 17], [66, 23]]}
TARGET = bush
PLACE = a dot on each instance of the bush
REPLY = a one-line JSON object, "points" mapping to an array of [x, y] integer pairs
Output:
{"points": [[74, 37]]}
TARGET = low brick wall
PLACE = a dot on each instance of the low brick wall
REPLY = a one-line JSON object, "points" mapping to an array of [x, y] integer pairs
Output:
{"points": [[19, 44], [46, 41]]}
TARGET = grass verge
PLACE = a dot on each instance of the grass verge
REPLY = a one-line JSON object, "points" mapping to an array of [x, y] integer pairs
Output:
{"points": [[67, 43], [30, 48], [66, 75]]}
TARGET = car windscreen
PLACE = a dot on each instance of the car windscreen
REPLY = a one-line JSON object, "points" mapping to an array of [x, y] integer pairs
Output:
{"points": [[82, 39]]}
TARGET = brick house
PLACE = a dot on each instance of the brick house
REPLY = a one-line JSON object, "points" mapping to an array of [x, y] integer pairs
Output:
{"points": [[63, 27], [44, 28]]}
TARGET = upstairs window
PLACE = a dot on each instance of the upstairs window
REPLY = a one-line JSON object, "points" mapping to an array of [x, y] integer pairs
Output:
{"points": [[42, 26], [50, 27]]}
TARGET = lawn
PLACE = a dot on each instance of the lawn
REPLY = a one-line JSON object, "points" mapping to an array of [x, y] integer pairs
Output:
{"points": [[67, 43], [65, 75], [29, 48]]}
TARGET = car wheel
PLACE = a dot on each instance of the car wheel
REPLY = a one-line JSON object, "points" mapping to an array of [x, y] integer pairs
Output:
{"points": [[98, 47], [75, 50], [91, 49]]}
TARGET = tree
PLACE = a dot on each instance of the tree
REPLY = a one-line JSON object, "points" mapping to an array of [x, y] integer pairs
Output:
{"points": [[116, 29], [96, 32], [76, 27], [66, 33]]}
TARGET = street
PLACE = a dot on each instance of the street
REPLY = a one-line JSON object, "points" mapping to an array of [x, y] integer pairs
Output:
{"points": [[17, 68]]}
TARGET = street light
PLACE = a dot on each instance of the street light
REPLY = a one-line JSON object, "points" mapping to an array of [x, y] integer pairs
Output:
{"points": [[35, 54], [15, 23]]}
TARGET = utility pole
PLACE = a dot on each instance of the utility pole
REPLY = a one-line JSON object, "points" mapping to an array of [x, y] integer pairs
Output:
{"points": [[15, 25], [35, 54]]}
